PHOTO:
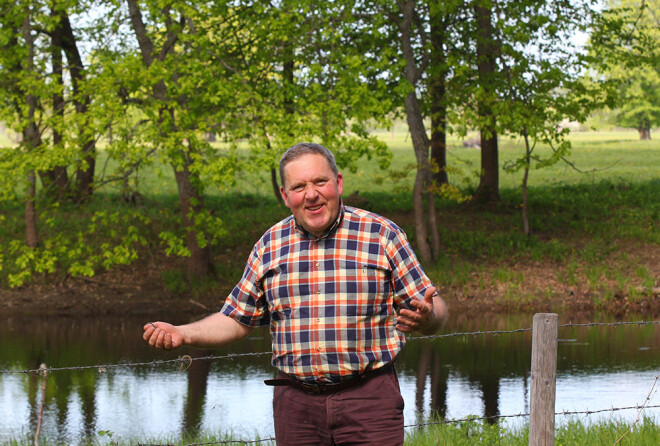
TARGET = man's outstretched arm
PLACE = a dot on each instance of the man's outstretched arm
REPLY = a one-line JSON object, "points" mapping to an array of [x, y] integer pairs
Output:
{"points": [[214, 331]]}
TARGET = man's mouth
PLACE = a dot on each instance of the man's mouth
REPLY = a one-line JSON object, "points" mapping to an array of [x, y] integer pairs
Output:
{"points": [[314, 208]]}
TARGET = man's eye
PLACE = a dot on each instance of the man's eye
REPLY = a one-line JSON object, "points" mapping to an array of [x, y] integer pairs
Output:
{"points": [[298, 188]]}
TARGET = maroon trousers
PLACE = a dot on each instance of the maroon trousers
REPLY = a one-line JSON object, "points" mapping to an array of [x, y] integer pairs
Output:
{"points": [[370, 413]]}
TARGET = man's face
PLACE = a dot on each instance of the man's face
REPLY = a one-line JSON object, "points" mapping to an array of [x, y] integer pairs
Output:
{"points": [[312, 192]]}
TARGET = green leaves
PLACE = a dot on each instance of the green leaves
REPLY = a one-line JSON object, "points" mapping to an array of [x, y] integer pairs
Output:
{"points": [[624, 52]]}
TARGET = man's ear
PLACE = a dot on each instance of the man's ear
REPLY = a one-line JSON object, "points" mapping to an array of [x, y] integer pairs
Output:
{"points": [[284, 197], [340, 183]]}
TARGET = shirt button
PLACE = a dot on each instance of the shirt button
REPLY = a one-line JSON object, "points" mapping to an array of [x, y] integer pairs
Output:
{"points": [[317, 264]]}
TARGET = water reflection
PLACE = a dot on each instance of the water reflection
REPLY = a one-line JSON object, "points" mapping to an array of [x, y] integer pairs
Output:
{"points": [[450, 377]]}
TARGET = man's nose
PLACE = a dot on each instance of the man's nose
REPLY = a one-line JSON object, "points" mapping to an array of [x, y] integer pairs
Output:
{"points": [[311, 192]]}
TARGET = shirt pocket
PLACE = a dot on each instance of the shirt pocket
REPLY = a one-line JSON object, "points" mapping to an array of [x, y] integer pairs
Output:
{"points": [[278, 291], [366, 287]]}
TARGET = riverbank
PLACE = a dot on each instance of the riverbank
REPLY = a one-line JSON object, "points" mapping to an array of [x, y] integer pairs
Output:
{"points": [[539, 286]]}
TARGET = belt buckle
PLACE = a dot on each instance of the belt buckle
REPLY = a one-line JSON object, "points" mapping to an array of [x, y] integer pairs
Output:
{"points": [[315, 388]]}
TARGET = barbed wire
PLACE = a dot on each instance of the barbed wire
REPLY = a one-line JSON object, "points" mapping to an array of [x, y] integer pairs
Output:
{"points": [[473, 333], [213, 442], [608, 324], [520, 415], [471, 418], [102, 368]]}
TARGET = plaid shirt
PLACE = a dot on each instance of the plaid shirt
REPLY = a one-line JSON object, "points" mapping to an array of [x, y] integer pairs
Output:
{"points": [[330, 301]]}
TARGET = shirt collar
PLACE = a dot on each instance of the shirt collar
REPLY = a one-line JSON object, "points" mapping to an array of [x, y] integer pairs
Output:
{"points": [[329, 231]]}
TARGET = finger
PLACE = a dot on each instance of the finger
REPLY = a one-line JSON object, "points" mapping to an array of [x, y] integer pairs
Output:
{"points": [[160, 342], [148, 331], [167, 342], [408, 322], [412, 316], [420, 306], [153, 338], [404, 328]]}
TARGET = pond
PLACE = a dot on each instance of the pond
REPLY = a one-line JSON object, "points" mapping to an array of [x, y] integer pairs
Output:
{"points": [[599, 368]]}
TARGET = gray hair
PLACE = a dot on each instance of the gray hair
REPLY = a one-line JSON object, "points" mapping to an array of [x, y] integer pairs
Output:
{"points": [[305, 148]]}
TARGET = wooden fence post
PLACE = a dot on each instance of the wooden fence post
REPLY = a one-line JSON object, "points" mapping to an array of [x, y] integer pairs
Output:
{"points": [[544, 375]]}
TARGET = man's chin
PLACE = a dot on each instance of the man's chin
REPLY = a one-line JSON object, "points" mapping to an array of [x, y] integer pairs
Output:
{"points": [[317, 229]]}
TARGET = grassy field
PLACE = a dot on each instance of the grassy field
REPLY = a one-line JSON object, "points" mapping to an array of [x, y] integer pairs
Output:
{"points": [[595, 223], [472, 433], [574, 433]]}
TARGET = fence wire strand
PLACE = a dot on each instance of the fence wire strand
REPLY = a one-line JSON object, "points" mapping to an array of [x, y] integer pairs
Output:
{"points": [[185, 360]]}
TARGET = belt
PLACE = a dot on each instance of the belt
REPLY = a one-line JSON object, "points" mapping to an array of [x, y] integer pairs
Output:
{"points": [[320, 388]]}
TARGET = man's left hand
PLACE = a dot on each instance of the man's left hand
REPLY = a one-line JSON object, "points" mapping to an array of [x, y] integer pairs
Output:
{"points": [[427, 318]]}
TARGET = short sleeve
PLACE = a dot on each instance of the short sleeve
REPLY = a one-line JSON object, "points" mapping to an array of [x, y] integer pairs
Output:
{"points": [[246, 303], [408, 278]]}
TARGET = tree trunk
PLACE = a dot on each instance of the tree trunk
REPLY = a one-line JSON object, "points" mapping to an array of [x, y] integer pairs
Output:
{"points": [[190, 203], [439, 143], [275, 185], [190, 199], [57, 178], [644, 130], [85, 172], [288, 66], [525, 214], [420, 141], [31, 139], [488, 188], [31, 235], [421, 235], [433, 224], [420, 146], [438, 98]]}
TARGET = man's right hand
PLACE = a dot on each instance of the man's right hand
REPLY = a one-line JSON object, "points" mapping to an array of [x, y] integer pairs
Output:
{"points": [[162, 335]]}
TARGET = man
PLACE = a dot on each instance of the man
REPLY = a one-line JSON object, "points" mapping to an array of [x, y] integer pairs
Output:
{"points": [[329, 281]]}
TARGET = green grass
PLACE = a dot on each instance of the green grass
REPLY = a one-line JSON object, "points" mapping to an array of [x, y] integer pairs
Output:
{"points": [[573, 433], [468, 433]]}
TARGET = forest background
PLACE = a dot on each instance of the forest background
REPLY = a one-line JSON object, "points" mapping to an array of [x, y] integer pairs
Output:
{"points": [[141, 141]]}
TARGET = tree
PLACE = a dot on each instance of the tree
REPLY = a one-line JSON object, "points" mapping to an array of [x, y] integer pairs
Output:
{"points": [[86, 135], [303, 80], [626, 48], [639, 99], [260, 73], [542, 84], [407, 44], [172, 71], [21, 89], [36, 97], [487, 52], [440, 22], [31, 136], [413, 72]]}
